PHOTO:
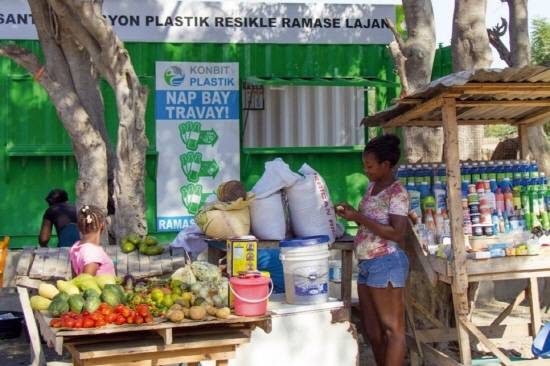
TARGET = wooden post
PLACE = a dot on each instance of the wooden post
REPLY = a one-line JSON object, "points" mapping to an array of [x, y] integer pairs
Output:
{"points": [[534, 305], [454, 203], [37, 357], [523, 141]]}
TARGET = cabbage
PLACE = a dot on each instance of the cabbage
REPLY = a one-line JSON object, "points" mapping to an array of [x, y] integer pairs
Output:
{"points": [[105, 279], [205, 271], [185, 275]]}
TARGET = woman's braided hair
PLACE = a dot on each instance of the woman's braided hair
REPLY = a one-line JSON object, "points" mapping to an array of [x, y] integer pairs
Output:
{"points": [[90, 218]]}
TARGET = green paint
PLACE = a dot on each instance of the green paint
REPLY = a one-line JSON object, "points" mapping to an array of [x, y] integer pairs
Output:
{"points": [[36, 153]]}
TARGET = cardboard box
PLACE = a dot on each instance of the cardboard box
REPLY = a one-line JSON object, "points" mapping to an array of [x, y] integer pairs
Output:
{"points": [[242, 255]]}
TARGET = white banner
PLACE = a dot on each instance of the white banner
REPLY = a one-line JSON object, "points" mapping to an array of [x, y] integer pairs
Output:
{"points": [[197, 136], [226, 22]]}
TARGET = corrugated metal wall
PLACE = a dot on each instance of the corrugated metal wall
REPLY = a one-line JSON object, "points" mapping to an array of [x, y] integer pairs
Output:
{"points": [[292, 113], [36, 155]]}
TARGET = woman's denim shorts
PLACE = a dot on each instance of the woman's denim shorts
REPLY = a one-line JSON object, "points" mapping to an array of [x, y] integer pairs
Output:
{"points": [[380, 271]]}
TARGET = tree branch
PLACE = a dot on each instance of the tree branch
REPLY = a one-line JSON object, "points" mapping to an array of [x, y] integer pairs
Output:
{"points": [[400, 60], [21, 56], [398, 38], [495, 35]]}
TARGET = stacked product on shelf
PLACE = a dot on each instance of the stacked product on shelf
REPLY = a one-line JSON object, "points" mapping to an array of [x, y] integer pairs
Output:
{"points": [[498, 198]]}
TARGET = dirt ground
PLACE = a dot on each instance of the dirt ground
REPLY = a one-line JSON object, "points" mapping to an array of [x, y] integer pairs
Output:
{"points": [[16, 351]]}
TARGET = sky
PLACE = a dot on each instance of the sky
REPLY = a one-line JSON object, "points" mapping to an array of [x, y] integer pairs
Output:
{"points": [[495, 10]]}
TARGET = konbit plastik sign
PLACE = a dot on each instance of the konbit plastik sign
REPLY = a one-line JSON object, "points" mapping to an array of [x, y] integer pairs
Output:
{"points": [[226, 22]]}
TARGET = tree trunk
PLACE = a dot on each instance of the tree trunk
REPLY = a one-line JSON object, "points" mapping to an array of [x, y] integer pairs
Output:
{"points": [[471, 51], [519, 33], [88, 144], [414, 60]]}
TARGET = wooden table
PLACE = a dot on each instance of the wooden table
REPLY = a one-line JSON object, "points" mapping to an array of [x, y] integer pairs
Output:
{"points": [[151, 344], [217, 250]]}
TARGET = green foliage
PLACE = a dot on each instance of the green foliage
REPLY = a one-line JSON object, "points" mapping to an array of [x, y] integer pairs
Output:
{"points": [[540, 44], [500, 131]]}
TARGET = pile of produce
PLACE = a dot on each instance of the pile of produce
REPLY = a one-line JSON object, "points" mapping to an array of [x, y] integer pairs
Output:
{"points": [[88, 302], [147, 245]]}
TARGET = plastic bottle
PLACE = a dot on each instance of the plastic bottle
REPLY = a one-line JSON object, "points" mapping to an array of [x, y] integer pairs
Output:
{"points": [[484, 170], [475, 173], [442, 174], [414, 199], [499, 201], [424, 189], [402, 173], [525, 204], [534, 207], [516, 194], [429, 220], [547, 199], [517, 167], [440, 195], [533, 170], [524, 173], [491, 198], [495, 221], [499, 172], [439, 226], [492, 174], [509, 170], [466, 178], [411, 175], [508, 200]]}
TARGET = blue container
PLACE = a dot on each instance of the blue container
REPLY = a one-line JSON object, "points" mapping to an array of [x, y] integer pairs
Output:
{"points": [[541, 344], [533, 170]]}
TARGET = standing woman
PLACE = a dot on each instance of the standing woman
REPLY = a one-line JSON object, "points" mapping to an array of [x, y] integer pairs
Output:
{"points": [[383, 266]]}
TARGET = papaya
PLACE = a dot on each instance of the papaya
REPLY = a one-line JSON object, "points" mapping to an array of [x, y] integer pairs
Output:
{"points": [[58, 307], [76, 303], [40, 303], [92, 304], [47, 290], [67, 287]]}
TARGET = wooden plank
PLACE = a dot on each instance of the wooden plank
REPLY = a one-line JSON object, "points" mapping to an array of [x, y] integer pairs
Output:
{"points": [[417, 111], [425, 313], [347, 268], [165, 260], [454, 200], [535, 117], [524, 141], [519, 298], [133, 263], [122, 263], [166, 335], [459, 284], [534, 305], [50, 263], [179, 258], [503, 331], [165, 357], [62, 260], [24, 281], [509, 275], [144, 266], [25, 262], [485, 341], [222, 338], [155, 266], [544, 102], [412, 238], [436, 357], [38, 263], [508, 264], [37, 357]]}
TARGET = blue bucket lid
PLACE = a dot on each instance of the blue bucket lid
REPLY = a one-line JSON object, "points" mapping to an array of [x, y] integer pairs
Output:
{"points": [[304, 242]]}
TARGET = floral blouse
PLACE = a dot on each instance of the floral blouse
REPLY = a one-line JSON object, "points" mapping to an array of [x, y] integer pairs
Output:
{"points": [[393, 200]]}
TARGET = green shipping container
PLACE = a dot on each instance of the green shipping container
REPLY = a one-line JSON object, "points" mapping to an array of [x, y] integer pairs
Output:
{"points": [[36, 153]]}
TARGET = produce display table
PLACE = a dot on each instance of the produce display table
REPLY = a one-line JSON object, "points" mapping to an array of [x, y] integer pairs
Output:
{"points": [[217, 250], [159, 343]]}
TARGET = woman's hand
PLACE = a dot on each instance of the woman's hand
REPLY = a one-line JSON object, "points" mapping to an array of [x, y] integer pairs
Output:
{"points": [[345, 211]]}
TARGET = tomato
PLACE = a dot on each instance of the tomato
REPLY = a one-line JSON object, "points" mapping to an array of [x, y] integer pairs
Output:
{"points": [[88, 323], [125, 312], [142, 310], [78, 323], [106, 311], [85, 313], [55, 323], [130, 320], [67, 323], [138, 319], [99, 323], [111, 318], [120, 320], [71, 314], [97, 316], [148, 319], [119, 308]]}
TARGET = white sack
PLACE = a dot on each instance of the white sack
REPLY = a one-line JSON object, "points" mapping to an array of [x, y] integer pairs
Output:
{"points": [[268, 217], [311, 210], [277, 175]]}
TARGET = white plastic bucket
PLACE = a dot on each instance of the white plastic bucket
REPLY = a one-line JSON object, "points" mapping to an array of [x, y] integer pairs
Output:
{"points": [[305, 267]]}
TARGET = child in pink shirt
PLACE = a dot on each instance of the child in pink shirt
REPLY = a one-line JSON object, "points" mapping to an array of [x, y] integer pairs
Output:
{"points": [[87, 255]]}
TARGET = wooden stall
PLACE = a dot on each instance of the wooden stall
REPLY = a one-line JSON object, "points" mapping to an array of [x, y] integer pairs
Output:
{"points": [[159, 343], [516, 96]]}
